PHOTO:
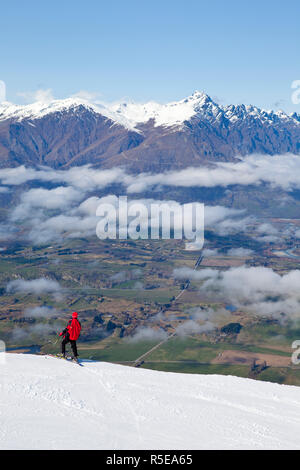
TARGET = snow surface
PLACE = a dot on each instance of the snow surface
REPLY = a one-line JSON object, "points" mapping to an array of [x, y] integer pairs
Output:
{"points": [[47, 403], [131, 115], [40, 109], [170, 114]]}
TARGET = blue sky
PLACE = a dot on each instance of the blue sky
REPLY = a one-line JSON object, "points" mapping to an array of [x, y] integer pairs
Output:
{"points": [[236, 51]]}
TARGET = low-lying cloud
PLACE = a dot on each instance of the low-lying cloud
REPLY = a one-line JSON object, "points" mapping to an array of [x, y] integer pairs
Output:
{"points": [[148, 334], [69, 210], [39, 329], [240, 252], [190, 327], [56, 214], [40, 312], [34, 286], [258, 289], [281, 171], [278, 170]]}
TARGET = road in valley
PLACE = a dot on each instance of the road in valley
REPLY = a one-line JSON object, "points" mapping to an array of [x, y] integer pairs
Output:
{"points": [[141, 359]]}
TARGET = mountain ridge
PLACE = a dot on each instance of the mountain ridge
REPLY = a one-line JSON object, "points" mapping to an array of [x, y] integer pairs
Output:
{"points": [[131, 114], [142, 137]]}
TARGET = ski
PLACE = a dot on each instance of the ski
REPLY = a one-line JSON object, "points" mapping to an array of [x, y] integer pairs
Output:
{"points": [[57, 356], [66, 358], [75, 360]]}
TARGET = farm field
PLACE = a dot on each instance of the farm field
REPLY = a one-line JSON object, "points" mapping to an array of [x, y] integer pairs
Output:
{"points": [[135, 312]]}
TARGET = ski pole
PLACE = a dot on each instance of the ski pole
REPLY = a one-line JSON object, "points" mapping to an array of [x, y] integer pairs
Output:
{"points": [[49, 341]]}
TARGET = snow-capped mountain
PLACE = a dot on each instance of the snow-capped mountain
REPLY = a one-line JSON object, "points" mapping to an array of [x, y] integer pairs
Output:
{"points": [[143, 137], [170, 114], [47, 403], [131, 115], [197, 106], [40, 109]]}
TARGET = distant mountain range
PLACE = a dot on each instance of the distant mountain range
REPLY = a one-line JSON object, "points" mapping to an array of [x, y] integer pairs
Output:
{"points": [[141, 137]]}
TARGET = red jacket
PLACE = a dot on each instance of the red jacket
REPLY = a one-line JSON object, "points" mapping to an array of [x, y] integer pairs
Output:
{"points": [[73, 329]]}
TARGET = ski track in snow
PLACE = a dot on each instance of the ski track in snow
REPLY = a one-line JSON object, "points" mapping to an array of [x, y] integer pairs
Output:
{"points": [[48, 403]]}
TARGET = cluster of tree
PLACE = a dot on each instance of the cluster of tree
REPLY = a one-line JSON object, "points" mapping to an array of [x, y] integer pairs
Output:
{"points": [[231, 328]]}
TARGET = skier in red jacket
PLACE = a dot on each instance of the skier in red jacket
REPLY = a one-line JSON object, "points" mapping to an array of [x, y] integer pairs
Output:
{"points": [[70, 335]]}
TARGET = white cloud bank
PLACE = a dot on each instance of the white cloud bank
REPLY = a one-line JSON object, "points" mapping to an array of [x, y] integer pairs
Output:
{"points": [[40, 312], [34, 286], [281, 171], [257, 289], [63, 212], [73, 211]]}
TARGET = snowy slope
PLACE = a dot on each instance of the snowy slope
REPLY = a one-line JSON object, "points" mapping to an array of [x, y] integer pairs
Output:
{"points": [[127, 114], [39, 109], [170, 114], [130, 115], [198, 105], [49, 403]]}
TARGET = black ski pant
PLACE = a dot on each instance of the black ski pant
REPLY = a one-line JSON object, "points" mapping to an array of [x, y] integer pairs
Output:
{"points": [[67, 340]]}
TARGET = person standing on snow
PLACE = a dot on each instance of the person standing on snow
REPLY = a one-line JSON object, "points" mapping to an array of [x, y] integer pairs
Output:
{"points": [[70, 335]]}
